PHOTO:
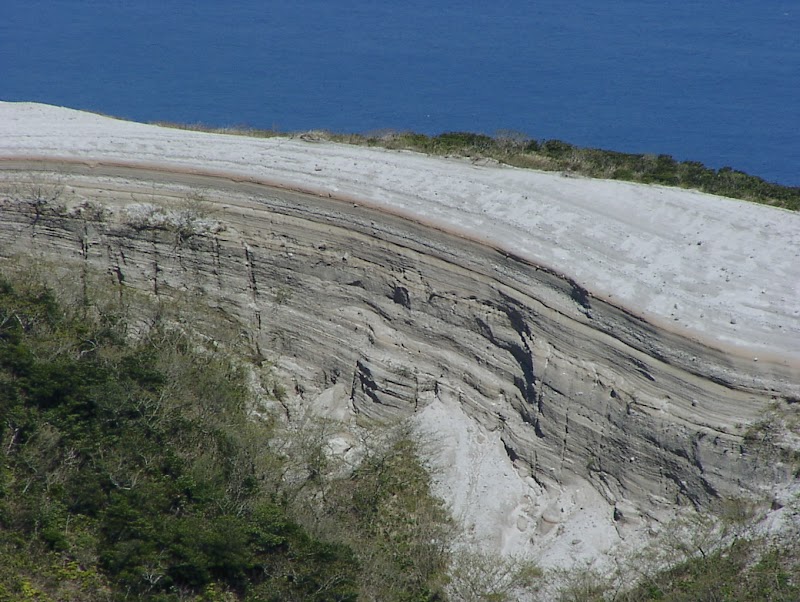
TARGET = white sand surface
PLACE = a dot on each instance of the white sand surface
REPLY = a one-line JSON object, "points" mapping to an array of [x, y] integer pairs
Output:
{"points": [[503, 509], [723, 271]]}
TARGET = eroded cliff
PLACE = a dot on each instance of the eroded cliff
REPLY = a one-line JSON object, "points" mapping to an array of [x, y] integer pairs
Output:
{"points": [[607, 423]]}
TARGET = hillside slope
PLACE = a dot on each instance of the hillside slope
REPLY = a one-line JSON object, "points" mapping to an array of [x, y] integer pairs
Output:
{"points": [[587, 358]]}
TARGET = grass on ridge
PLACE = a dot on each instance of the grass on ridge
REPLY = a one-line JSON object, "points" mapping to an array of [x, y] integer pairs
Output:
{"points": [[518, 150]]}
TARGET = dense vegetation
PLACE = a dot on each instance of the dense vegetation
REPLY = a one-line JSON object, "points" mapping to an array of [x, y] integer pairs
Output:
{"points": [[556, 155], [740, 572], [136, 471]]}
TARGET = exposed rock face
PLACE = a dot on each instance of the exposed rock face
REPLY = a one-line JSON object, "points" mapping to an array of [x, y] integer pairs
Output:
{"points": [[379, 318]]}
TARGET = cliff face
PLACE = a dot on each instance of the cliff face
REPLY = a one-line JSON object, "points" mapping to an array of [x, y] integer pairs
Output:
{"points": [[374, 318]]}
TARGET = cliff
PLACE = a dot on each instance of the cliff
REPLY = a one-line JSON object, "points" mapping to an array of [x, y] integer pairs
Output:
{"points": [[562, 425], [601, 416]]}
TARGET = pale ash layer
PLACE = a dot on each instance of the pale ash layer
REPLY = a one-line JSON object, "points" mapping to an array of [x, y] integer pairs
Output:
{"points": [[723, 271]]}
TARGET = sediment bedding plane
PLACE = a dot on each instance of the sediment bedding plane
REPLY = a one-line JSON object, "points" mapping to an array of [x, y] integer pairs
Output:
{"points": [[592, 352]]}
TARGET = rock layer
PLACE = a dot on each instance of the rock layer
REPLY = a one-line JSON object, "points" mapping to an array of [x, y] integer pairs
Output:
{"points": [[382, 318]]}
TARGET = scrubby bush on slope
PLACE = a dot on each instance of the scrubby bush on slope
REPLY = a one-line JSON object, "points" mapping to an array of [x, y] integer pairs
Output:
{"points": [[135, 471]]}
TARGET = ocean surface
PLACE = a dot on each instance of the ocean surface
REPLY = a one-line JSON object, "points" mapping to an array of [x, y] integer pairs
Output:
{"points": [[716, 81]]}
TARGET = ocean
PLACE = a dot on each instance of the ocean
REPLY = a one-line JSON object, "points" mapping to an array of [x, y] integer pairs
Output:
{"points": [[715, 81]]}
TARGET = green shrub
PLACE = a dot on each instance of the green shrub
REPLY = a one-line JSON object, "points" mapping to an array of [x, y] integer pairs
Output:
{"points": [[556, 149], [138, 460], [138, 463], [464, 143], [744, 571]]}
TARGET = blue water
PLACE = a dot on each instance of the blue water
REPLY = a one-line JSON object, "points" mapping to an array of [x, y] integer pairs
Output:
{"points": [[716, 81]]}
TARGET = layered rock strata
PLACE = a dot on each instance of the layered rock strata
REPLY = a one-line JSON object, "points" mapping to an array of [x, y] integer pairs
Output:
{"points": [[378, 318]]}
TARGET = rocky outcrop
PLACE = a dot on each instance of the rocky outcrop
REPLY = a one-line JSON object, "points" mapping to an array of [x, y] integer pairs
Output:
{"points": [[382, 317]]}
